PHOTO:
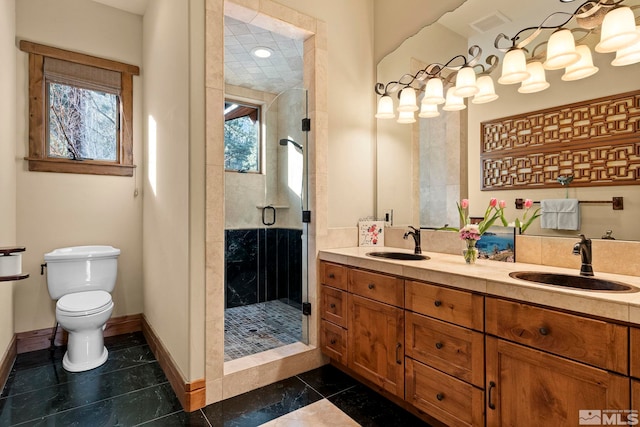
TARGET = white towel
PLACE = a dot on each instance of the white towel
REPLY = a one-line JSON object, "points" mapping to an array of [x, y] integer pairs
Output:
{"points": [[560, 214]]}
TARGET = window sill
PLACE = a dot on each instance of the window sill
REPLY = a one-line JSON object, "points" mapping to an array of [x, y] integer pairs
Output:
{"points": [[90, 167]]}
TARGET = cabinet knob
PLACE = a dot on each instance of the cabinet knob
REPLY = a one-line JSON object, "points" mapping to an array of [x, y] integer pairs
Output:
{"points": [[437, 303], [371, 286], [438, 345], [332, 305], [440, 396], [332, 276], [543, 331], [333, 341]]}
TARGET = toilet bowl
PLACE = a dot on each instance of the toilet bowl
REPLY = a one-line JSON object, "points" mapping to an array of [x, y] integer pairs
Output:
{"points": [[80, 279], [84, 315]]}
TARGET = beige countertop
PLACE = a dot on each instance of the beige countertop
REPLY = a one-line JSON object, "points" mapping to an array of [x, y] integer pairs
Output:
{"points": [[492, 278]]}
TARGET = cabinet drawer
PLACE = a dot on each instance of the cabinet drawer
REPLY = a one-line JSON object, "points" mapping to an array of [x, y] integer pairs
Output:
{"points": [[452, 349], [451, 401], [592, 341], [334, 275], [333, 341], [334, 306], [459, 307], [379, 287]]}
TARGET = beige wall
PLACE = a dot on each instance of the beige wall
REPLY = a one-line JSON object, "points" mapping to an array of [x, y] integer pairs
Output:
{"points": [[56, 210], [399, 19], [351, 77], [7, 160], [173, 230]]}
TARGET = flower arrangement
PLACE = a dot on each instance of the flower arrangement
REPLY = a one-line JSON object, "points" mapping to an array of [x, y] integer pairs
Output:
{"points": [[525, 223], [494, 211], [471, 233]]}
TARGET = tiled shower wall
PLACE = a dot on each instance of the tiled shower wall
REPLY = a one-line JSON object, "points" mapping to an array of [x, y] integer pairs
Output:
{"points": [[263, 264]]}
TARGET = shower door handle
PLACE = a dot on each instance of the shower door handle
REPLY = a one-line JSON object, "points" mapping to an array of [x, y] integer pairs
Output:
{"points": [[264, 215]]}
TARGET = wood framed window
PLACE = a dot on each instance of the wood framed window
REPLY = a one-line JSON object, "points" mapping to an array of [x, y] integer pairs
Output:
{"points": [[80, 112], [242, 137]]}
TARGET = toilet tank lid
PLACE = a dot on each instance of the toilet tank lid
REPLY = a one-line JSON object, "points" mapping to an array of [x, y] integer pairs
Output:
{"points": [[73, 252]]}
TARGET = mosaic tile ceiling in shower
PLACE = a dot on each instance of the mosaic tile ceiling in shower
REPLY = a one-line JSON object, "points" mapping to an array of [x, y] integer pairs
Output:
{"points": [[281, 71]]}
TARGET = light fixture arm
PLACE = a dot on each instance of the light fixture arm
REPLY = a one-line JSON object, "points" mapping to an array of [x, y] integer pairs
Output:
{"points": [[584, 11]]}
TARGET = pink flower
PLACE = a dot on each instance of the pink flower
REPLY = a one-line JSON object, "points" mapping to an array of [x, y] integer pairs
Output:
{"points": [[493, 202], [502, 204], [528, 203], [464, 204]]}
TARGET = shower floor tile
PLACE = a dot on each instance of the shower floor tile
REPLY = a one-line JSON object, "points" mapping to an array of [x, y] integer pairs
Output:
{"points": [[255, 328]]}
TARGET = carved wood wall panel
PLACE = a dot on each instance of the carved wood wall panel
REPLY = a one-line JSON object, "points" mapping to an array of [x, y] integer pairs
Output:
{"points": [[597, 141]]}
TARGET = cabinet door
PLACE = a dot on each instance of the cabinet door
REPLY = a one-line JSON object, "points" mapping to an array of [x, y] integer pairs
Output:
{"points": [[527, 387], [376, 343]]}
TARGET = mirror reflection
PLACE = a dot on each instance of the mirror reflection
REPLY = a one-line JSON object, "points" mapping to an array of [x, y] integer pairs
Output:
{"points": [[436, 161]]}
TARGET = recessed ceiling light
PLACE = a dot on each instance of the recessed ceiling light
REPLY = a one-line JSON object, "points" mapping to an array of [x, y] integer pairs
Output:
{"points": [[261, 52]]}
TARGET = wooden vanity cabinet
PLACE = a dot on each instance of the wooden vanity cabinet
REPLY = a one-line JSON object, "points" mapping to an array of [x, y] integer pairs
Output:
{"points": [[375, 338], [376, 343], [527, 385], [333, 311], [445, 356]]}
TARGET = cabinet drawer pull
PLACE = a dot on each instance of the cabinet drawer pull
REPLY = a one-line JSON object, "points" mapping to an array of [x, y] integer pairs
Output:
{"points": [[333, 341], [437, 303], [492, 385], [371, 286], [398, 347], [332, 305], [440, 396], [439, 345], [332, 276], [543, 331]]}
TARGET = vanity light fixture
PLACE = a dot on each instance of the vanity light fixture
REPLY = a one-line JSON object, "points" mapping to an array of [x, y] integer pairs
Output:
{"points": [[614, 21], [561, 50], [428, 110], [486, 91], [628, 55], [454, 102], [537, 80], [583, 68], [432, 80]]}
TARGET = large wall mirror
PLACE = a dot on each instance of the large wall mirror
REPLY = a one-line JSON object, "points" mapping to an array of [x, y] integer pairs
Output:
{"points": [[424, 168]]}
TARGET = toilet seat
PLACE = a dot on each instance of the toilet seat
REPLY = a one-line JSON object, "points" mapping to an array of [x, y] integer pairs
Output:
{"points": [[84, 303]]}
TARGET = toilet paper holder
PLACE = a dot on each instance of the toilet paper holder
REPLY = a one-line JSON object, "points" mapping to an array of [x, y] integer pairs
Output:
{"points": [[13, 265]]}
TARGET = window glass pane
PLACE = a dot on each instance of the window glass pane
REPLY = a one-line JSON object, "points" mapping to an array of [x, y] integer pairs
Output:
{"points": [[82, 123], [242, 138]]}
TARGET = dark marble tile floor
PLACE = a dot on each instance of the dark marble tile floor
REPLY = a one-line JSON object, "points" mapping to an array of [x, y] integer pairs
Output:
{"points": [[130, 389]]}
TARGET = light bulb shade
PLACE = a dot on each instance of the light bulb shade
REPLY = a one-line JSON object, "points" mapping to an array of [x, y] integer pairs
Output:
{"points": [[561, 50], [628, 55], [514, 67], [453, 103], [618, 30], [406, 117], [408, 100], [385, 108], [537, 80], [428, 110], [581, 69], [466, 82], [433, 92], [486, 90]]}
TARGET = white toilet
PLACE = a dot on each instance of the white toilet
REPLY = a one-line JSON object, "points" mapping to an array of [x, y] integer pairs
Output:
{"points": [[81, 278]]}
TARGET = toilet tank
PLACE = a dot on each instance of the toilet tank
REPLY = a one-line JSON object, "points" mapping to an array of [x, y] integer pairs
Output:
{"points": [[81, 268]]}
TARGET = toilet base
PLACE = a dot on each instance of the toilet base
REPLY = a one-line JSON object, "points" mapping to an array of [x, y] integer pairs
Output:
{"points": [[86, 365]]}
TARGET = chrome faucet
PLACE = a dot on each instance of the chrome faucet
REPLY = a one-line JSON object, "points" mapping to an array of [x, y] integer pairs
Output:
{"points": [[416, 238], [583, 248]]}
